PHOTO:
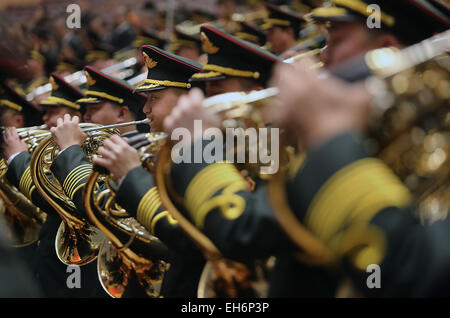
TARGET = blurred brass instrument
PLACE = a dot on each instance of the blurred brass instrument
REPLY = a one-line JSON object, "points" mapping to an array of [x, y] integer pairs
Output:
{"points": [[223, 277], [409, 131], [77, 241], [129, 250], [22, 218]]}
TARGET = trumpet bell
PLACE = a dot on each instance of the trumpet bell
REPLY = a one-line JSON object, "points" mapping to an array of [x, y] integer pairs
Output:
{"points": [[119, 279], [78, 247], [225, 278], [20, 230]]}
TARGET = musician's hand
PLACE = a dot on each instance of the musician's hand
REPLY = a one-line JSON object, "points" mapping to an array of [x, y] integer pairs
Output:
{"points": [[117, 156], [188, 109], [314, 109], [68, 132], [12, 143]]}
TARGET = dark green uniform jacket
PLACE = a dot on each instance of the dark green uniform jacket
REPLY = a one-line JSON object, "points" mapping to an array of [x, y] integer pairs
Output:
{"points": [[242, 225], [50, 272], [362, 212], [72, 168]]}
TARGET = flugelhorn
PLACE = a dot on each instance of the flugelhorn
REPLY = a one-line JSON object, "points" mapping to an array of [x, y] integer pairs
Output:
{"points": [[129, 250], [77, 241]]}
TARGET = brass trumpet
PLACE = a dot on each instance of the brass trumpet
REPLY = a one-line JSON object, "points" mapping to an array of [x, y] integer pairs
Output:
{"points": [[77, 241]]}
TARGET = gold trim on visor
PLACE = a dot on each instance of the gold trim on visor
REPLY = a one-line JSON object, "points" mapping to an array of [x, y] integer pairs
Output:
{"points": [[58, 100], [247, 36], [325, 12], [361, 7], [106, 96], [10, 104], [87, 99], [270, 22], [206, 75], [167, 83], [230, 71]]}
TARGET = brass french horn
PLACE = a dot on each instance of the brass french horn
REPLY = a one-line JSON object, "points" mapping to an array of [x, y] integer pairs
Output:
{"points": [[129, 250], [22, 218], [77, 241]]}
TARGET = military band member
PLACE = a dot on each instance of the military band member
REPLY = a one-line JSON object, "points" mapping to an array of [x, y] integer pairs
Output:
{"points": [[49, 271], [283, 28], [108, 101], [349, 34], [233, 65], [354, 203], [167, 80], [186, 45], [250, 231], [250, 224], [15, 110], [251, 34]]}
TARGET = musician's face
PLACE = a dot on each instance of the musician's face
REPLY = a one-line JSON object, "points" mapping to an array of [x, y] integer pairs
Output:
{"points": [[189, 52], [103, 113], [280, 39], [11, 118], [52, 113], [346, 40], [159, 105]]}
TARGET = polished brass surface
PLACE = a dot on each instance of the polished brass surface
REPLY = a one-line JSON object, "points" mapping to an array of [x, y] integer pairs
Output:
{"points": [[130, 251], [23, 219]]}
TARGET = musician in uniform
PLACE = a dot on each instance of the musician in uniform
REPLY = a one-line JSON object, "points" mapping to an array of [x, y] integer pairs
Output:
{"points": [[251, 231], [353, 203], [50, 272], [228, 69], [15, 110], [167, 80], [283, 28], [108, 101], [251, 34], [186, 45]]}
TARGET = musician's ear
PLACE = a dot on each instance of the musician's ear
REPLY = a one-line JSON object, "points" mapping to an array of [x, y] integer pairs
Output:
{"points": [[19, 121], [124, 114]]}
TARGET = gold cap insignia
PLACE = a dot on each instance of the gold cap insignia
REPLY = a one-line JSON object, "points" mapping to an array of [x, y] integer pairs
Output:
{"points": [[148, 61], [89, 79], [207, 45], [54, 85]]}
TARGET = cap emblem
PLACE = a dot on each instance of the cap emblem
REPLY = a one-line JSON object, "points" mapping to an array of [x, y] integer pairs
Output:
{"points": [[207, 45], [54, 85], [149, 62], [89, 79]]}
